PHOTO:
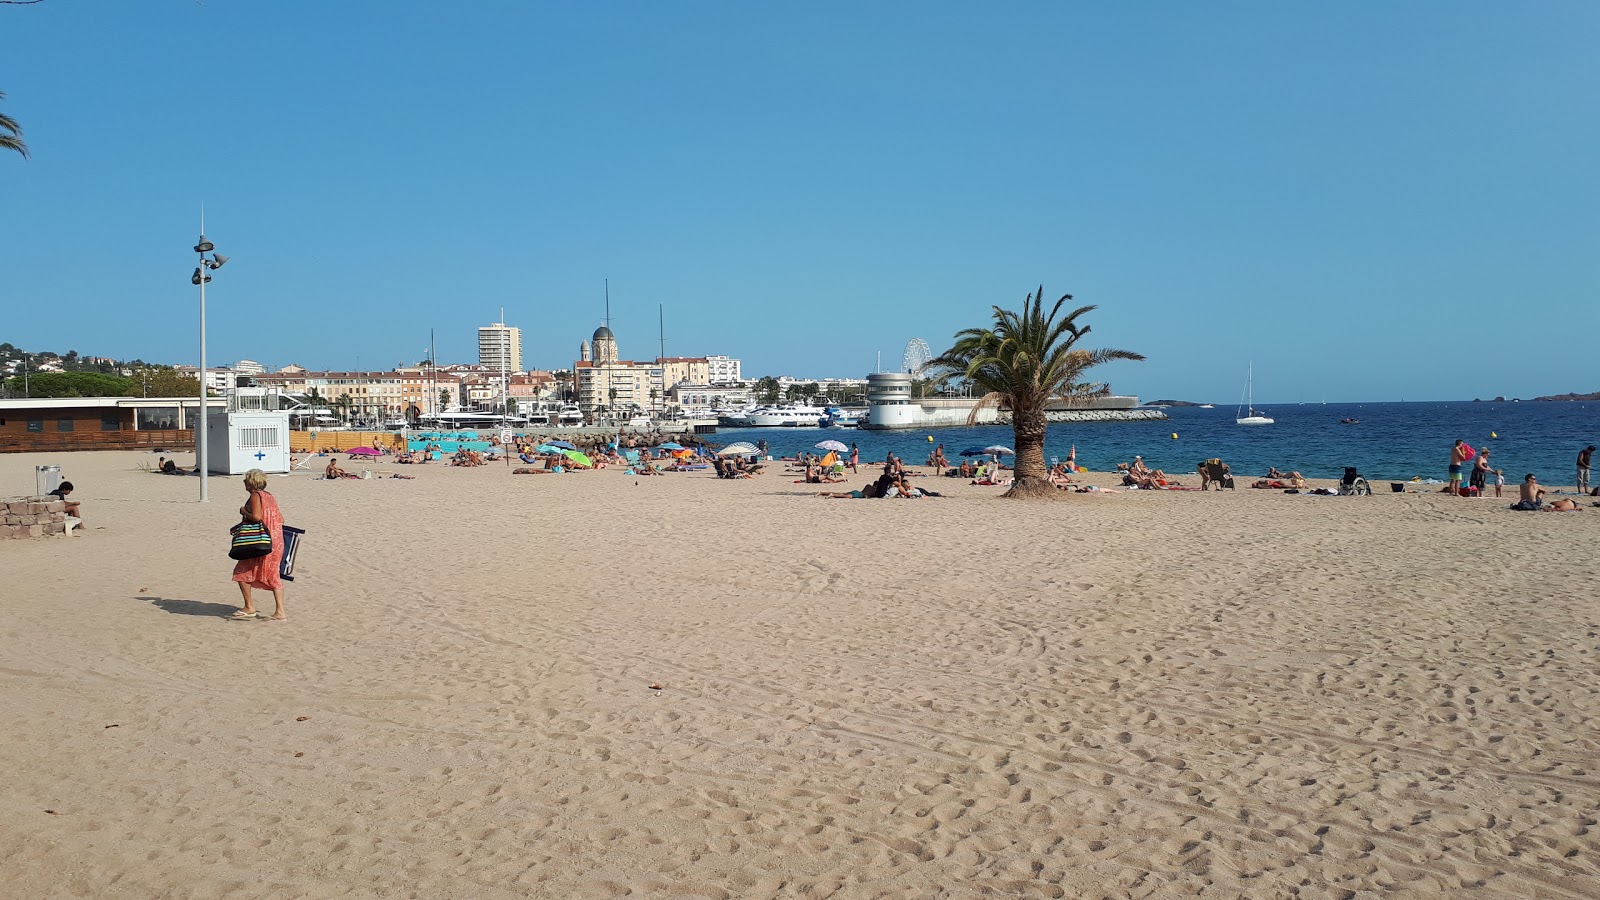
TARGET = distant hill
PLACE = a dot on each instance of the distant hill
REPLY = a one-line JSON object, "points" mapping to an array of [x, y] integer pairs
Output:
{"points": [[1591, 398], [1172, 403]]}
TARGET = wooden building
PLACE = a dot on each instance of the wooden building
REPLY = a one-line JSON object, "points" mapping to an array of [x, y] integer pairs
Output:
{"points": [[100, 423]]}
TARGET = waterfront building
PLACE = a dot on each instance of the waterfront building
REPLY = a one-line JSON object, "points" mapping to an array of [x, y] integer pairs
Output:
{"points": [[691, 395], [500, 347], [605, 381], [373, 396], [722, 370]]}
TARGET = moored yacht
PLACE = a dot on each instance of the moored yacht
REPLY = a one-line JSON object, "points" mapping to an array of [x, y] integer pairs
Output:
{"points": [[793, 415], [734, 418]]}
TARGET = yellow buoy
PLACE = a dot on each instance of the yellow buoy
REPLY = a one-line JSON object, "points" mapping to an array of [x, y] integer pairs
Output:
{"points": [[1493, 435], [1174, 435], [930, 438]]}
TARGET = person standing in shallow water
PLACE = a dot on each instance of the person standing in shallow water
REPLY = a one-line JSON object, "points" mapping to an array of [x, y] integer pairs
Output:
{"points": [[1583, 468], [261, 572]]}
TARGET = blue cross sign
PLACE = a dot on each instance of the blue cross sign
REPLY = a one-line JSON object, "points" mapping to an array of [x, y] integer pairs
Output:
{"points": [[260, 455]]}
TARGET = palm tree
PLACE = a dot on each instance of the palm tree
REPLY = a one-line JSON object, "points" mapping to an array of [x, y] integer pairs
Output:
{"points": [[11, 133], [1025, 362]]}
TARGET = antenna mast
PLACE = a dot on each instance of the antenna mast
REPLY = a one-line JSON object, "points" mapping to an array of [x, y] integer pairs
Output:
{"points": [[662, 330]]}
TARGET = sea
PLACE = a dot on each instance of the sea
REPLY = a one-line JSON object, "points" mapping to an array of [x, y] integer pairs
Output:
{"points": [[1391, 441]]}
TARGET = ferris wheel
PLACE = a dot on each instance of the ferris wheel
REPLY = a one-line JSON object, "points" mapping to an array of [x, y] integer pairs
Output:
{"points": [[917, 356]]}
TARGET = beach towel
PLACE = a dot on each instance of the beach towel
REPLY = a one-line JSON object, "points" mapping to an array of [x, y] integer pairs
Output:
{"points": [[1527, 505]]}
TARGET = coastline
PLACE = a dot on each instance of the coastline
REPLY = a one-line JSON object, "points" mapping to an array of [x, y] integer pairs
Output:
{"points": [[1163, 692]]}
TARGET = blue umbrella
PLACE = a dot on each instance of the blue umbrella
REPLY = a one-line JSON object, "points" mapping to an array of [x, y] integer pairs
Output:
{"points": [[975, 451], [671, 445], [563, 445]]}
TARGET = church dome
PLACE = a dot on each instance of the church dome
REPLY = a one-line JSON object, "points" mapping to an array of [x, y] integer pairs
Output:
{"points": [[603, 334]]}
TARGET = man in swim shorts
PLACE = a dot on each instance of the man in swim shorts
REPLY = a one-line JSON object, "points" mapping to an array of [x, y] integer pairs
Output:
{"points": [[1532, 494], [1458, 455]]}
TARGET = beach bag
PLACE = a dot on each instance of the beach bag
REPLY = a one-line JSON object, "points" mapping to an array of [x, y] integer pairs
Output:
{"points": [[250, 540], [291, 544]]}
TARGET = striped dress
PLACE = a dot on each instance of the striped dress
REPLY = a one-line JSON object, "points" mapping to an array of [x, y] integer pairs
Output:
{"points": [[262, 572]]}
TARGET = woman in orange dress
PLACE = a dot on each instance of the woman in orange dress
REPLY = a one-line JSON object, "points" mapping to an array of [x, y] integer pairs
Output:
{"points": [[261, 572]]}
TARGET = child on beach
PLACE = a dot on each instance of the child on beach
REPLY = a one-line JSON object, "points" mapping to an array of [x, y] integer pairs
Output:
{"points": [[1499, 481]]}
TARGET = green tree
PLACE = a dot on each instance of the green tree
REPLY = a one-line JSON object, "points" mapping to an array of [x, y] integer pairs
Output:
{"points": [[73, 384], [11, 133], [343, 403], [767, 390], [164, 381], [444, 399], [1025, 361]]}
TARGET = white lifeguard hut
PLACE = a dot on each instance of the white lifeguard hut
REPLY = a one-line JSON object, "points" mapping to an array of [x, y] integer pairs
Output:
{"points": [[252, 434]]}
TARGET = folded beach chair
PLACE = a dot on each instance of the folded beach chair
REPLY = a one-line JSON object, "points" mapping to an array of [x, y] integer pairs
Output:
{"points": [[1216, 472], [1353, 484]]}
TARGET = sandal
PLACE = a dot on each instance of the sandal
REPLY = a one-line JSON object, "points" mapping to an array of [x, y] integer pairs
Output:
{"points": [[241, 614]]}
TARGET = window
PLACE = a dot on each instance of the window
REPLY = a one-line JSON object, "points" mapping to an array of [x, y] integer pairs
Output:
{"points": [[63, 424], [156, 418], [257, 438], [110, 421], [35, 426]]}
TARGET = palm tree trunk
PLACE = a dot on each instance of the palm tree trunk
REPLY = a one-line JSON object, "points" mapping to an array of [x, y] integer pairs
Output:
{"points": [[1030, 478]]}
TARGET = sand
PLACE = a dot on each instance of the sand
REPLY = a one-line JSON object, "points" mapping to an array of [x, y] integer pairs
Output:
{"points": [[1133, 695]]}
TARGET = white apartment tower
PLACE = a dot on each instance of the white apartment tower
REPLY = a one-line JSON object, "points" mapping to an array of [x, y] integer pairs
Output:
{"points": [[724, 370], [500, 347]]}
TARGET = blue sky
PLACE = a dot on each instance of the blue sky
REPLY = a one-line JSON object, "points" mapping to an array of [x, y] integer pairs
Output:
{"points": [[1370, 200]]}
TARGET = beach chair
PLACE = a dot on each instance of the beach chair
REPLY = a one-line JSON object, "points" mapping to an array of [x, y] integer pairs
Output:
{"points": [[1352, 484], [1215, 471]]}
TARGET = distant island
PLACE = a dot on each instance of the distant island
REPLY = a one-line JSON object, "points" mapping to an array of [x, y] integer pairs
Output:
{"points": [[1171, 403], [1591, 398]]}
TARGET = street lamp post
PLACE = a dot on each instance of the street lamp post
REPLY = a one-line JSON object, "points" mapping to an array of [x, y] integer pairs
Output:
{"points": [[200, 277]]}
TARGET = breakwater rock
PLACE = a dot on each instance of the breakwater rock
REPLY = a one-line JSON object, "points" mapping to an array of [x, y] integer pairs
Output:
{"points": [[1094, 415]]}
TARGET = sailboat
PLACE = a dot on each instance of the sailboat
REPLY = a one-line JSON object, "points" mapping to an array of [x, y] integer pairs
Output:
{"points": [[1251, 418]]}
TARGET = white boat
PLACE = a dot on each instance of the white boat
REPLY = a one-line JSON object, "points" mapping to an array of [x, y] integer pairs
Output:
{"points": [[793, 415], [843, 418], [456, 417], [1250, 418], [734, 418], [570, 416], [1207, 406]]}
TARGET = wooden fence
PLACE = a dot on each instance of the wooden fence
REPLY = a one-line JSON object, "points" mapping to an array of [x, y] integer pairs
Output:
{"points": [[55, 442]]}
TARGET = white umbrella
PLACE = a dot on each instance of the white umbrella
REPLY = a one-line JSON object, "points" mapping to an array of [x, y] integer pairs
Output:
{"points": [[997, 450], [834, 446], [738, 448]]}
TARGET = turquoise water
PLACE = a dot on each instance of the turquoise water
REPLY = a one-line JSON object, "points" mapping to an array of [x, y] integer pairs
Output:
{"points": [[1393, 440]]}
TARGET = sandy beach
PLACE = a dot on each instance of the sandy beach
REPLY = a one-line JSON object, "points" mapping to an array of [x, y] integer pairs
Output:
{"points": [[1131, 695]]}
